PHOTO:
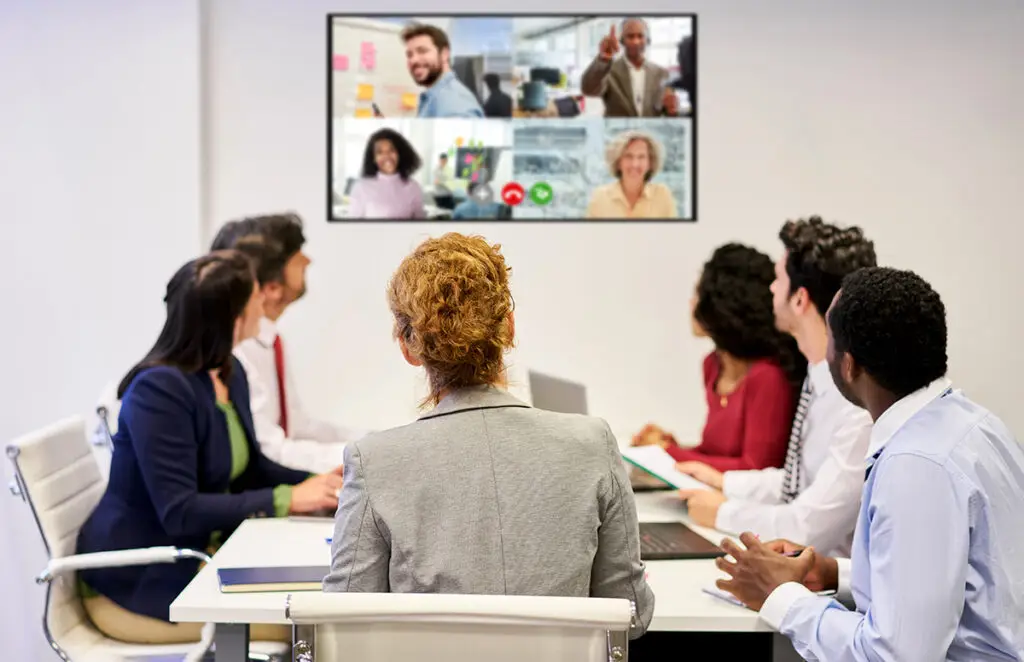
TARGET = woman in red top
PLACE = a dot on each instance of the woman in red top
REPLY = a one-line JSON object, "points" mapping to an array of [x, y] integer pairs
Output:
{"points": [[752, 377]]}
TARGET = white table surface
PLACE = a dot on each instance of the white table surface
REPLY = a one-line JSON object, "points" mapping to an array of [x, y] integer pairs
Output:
{"points": [[680, 604]]}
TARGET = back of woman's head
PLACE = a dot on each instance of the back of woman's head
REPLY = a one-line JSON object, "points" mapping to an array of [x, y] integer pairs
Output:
{"points": [[452, 307], [204, 300], [734, 307]]}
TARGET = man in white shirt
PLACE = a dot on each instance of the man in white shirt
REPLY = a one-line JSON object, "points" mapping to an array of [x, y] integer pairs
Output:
{"points": [[814, 498], [286, 432], [937, 571]]}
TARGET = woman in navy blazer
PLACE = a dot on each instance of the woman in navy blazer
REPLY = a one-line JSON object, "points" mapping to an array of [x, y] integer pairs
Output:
{"points": [[186, 468]]}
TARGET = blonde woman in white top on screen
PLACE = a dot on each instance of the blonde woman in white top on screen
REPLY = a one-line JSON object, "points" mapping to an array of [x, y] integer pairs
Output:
{"points": [[634, 158]]}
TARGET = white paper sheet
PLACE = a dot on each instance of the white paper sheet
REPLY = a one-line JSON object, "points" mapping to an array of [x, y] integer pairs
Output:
{"points": [[655, 461]]}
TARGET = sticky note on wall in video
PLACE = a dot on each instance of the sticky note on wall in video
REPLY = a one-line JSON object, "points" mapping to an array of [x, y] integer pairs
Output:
{"points": [[368, 56], [364, 92], [363, 113], [409, 101], [339, 63]]}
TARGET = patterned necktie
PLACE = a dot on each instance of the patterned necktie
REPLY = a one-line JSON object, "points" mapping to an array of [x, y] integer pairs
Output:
{"points": [[794, 452]]}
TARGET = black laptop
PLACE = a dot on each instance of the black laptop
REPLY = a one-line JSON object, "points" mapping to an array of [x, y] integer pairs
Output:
{"points": [[663, 541]]}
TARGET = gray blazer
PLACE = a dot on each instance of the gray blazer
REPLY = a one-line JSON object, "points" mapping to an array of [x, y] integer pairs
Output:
{"points": [[487, 495], [610, 80]]}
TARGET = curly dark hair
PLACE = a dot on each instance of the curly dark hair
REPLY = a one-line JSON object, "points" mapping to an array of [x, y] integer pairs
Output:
{"points": [[734, 307], [408, 160], [820, 255], [893, 324]]}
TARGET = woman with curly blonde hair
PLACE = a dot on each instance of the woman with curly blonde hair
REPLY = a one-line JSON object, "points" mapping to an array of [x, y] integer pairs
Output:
{"points": [[483, 494], [634, 158]]}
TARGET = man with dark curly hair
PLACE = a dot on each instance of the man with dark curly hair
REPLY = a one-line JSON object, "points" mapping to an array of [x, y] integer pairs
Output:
{"points": [[813, 498], [937, 566]]}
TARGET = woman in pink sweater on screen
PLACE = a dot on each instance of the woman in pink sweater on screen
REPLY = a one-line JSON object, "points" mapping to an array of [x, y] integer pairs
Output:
{"points": [[752, 377], [387, 189]]}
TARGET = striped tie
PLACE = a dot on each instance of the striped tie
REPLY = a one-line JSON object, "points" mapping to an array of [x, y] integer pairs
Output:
{"points": [[871, 464], [794, 452]]}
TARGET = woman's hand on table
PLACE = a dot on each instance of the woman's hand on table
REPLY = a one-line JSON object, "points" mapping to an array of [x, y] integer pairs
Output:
{"points": [[316, 493]]}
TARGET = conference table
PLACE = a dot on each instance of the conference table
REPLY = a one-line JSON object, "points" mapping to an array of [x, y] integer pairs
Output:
{"points": [[681, 605]]}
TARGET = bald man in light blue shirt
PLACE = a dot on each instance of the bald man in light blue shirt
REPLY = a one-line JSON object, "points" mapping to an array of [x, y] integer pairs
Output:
{"points": [[937, 568]]}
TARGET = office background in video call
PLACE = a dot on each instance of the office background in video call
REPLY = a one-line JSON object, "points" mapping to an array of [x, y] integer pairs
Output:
{"points": [[367, 60]]}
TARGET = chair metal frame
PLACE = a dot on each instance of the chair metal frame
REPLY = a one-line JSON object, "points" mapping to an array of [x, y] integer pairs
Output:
{"points": [[19, 489]]}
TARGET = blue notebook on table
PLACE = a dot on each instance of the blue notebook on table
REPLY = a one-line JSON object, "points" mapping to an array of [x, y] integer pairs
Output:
{"points": [[272, 580]]}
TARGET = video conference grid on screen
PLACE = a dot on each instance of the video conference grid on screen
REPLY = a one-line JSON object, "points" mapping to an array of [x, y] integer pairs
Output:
{"points": [[477, 117]]}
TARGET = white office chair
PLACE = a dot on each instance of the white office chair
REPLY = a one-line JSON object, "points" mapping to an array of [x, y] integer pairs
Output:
{"points": [[56, 474], [332, 627]]}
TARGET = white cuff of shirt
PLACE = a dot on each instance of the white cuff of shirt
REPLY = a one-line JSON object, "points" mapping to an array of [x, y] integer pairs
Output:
{"points": [[778, 604], [730, 482], [724, 520], [740, 483], [843, 591]]}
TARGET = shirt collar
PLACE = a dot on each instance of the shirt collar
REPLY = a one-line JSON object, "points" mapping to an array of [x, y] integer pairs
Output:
{"points": [[620, 195], [821, 378], [889, 423], [443, 81], [268, 332], [473, 398]]}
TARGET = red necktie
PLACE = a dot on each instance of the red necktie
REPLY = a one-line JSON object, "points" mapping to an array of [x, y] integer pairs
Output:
{"points": [[282, 402]]}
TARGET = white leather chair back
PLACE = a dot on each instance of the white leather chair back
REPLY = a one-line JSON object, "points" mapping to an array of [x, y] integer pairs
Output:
{"points": [[58, 477], [496, 628]]}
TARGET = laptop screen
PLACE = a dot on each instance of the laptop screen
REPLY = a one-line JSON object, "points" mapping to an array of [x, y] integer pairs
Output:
{"points": [[554, 394]]}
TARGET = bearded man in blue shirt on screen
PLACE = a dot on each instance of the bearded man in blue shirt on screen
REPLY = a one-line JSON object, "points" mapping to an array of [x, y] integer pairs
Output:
{"points": [[937, 569], [428, 56]]}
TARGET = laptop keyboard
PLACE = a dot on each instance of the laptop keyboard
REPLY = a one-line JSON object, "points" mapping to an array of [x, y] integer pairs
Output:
{"points": [[674, 540], [653, 543]]}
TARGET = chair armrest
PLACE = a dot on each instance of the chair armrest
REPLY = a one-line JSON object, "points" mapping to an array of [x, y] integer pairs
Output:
{"points": [[116, 559]]}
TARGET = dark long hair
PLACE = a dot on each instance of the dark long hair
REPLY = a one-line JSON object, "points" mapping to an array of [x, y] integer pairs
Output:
{"points": [[204, 300], [734, 307]]}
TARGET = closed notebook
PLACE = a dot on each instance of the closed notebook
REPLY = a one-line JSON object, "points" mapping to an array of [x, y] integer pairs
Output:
{"points": [[271, 580]]}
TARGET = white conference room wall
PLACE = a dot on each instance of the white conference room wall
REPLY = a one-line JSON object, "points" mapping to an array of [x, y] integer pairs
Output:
{"points": [[903, 118], [99, 182]]}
